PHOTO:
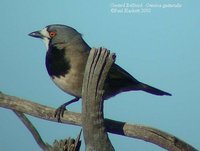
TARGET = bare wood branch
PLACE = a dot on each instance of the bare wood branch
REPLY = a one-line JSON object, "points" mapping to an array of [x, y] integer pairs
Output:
{"points": [[77, 142], [69, 144], [149, 134], [33, 131], [37, 110], [95, 135], [66, 145]]}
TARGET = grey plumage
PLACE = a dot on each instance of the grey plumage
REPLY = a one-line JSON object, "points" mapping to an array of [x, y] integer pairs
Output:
{"points": [[66, 59]]}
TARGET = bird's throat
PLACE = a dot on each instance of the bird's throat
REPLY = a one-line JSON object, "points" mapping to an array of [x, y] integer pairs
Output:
{"points": [[56, 62], [46, 42]]}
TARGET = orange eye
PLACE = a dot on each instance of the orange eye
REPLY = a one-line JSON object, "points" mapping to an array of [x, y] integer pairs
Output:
{"points": [[52, 34]]}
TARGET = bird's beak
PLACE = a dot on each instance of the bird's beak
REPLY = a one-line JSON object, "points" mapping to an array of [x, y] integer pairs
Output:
{"points": [[36, 34]]}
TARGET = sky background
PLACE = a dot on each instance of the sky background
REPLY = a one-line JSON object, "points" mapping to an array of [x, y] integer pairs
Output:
{"points": [[159, 47]]}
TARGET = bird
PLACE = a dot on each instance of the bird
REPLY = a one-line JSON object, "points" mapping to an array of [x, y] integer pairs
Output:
{"points": [[66, 58]]}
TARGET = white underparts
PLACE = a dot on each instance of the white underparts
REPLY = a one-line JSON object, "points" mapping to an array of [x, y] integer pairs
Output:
{"points": [[46, 42], [46, 36]]}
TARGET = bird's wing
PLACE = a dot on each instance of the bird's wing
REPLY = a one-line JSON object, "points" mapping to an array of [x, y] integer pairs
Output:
{"points": [[117, 73], [119, 80]]}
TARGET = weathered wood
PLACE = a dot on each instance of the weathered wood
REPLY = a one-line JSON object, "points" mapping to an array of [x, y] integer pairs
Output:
{"points": [[37, 110], [95, 134], [152, 135], [33, 131]]}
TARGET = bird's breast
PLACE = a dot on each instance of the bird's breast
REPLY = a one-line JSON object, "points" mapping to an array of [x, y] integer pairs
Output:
{"points": [[56, 62], [70, 83], [60, 70], [66, 67]]}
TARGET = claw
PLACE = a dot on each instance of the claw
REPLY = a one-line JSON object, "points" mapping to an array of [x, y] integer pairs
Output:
{"points": [[60, 111]]}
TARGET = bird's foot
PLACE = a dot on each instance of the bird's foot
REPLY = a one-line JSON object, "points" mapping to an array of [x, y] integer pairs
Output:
{"points": [[60, 111]]}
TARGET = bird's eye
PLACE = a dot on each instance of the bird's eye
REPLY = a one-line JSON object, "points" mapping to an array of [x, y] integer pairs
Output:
{"points": [[52, 34]]}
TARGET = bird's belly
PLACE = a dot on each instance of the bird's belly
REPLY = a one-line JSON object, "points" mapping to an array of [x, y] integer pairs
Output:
{"points": [[71, 83]]}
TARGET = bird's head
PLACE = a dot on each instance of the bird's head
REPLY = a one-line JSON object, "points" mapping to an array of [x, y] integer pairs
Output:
{"points": [[56, 34]]}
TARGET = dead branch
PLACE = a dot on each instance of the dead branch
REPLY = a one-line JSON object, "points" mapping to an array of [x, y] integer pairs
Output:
{"points": [[148, 134], [33, 131], [94, 130]]}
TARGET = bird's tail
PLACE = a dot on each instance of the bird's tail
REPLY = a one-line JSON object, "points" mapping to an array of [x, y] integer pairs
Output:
{"points": [[153, 90]]}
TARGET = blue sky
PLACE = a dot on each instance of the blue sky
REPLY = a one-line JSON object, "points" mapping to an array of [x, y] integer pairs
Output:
{"points": [[159, 47]]}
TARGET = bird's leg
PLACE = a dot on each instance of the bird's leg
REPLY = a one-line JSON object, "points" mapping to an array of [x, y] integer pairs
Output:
{"points": [[60, 111]]}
